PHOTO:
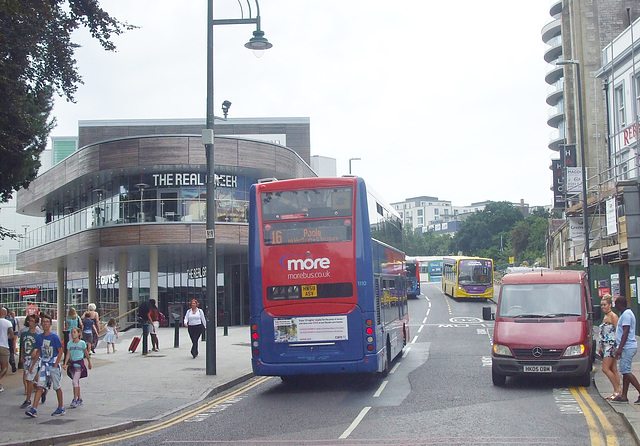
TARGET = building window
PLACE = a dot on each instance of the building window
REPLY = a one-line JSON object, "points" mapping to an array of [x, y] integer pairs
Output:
{"points": [[420, 213], [436, 211], [637, 85], [420, 221], [620, 115], [446, 211]]}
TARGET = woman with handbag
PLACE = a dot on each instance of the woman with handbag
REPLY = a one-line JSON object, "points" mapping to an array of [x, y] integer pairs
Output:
{"points": [[196, 323]]}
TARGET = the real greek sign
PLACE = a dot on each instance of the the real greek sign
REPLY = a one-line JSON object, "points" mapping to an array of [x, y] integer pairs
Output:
{"points": [[192, 179]]}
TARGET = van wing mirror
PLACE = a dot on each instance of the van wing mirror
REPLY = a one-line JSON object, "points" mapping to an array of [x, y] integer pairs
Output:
{"points": [[487, 315]]}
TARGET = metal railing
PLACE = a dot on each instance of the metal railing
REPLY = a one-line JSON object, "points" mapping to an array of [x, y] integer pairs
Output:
{"points": [[152, 211]]}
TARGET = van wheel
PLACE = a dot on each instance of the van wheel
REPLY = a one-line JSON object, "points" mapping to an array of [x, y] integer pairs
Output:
{"points": [[498, 379], [585, 379]]}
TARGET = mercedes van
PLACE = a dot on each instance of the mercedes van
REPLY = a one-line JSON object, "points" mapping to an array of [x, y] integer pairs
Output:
{"points": [[543, 326]]}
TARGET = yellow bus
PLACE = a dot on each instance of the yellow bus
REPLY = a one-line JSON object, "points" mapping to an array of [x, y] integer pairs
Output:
{"points": [[470, 277]]}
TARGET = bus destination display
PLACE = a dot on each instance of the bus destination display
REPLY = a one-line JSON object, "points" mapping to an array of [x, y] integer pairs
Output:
{"points": [[297, 232]]}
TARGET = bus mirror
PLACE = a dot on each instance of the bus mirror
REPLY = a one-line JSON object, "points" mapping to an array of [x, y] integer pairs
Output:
{"points": [[486, 314]]}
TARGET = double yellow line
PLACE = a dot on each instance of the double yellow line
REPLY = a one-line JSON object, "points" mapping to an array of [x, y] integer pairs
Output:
{"points": [[178, 418], [589, 409]]}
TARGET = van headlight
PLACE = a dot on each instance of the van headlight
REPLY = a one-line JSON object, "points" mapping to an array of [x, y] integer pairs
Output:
{"points": [[574, 350], [501, 350]]}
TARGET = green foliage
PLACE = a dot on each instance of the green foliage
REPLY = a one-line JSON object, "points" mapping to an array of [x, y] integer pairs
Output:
{"points": [[37, 57], [425, 244], [483, 232]]}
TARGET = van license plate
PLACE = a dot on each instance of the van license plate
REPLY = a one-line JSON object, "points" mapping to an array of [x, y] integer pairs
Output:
{"points": [[309, 290], [537, 369]]}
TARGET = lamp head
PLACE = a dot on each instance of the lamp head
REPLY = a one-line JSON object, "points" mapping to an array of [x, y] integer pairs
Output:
{"points": [[225, 108], [258, 43]]}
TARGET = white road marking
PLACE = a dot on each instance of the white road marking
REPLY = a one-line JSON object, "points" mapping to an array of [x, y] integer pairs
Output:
{"points": [[424, 321], [406, 352], [420, 329], [428, 311], [395, 367], [355, 423], [414, 340], [381, 388], [482, 331]]}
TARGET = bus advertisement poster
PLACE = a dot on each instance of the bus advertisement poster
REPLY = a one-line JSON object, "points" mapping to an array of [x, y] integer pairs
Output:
{"points": [[310, 329]]}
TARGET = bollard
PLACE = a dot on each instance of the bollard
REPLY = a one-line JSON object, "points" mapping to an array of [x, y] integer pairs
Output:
{"points": [[145, 341], [226, 323], [176, 335]]}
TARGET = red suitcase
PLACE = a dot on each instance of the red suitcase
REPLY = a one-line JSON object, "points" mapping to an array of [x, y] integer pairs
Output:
{"points": [[134, 344]]}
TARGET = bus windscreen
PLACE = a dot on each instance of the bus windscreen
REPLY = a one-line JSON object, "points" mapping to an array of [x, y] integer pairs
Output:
{"points": [[307, 203], [475, 272]]}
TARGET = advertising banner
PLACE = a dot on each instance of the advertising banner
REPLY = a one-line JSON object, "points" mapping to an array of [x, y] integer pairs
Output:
{"points": [[310, 329], [612, 226]]}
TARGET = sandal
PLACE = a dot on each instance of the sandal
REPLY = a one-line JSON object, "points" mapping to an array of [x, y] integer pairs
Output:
{"points": [[613, 396]]}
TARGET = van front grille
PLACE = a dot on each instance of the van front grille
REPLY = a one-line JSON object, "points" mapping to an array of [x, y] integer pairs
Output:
{"points": [[541, 353]]}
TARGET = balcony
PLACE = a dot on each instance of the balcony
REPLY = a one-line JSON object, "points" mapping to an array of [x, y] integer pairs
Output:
{"points": [[136, 212], [555, 7], [555, 92], [555, 115], [552, 29], [556, 138], [554, 74]]}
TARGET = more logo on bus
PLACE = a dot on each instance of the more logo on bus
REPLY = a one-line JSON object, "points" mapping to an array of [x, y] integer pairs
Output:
{"points": [[306, 264]]}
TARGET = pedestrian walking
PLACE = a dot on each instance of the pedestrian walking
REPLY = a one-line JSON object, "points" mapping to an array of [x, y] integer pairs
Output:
{"points": [[89, 330], [6, 336], [48, 349], [72, 320], [93, 314], [155, 324], [74, 364], [196, 323], [28, 339], [607, 344], [112, 335], [627, 348], [11, 317]]}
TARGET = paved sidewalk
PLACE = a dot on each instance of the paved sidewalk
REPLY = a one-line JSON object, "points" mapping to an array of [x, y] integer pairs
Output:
{"points": [[629, 412], [127, 389]]}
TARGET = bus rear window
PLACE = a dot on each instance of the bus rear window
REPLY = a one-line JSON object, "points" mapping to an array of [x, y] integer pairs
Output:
{"points": [[308, 231], [308, 203]]}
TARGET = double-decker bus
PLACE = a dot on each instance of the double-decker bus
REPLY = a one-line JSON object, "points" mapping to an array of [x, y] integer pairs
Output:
{"points": [[327, 294], [413, 277], [467, 277]]}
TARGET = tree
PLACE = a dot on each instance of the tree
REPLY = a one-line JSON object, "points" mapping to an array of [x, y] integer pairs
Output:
{"points": [[484, 233], [37, 61]]}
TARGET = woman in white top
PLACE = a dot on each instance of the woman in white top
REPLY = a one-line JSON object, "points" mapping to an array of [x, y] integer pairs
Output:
{"points": [[195, 321]]}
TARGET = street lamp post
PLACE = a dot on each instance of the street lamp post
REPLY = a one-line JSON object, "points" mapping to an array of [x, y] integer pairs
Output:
{"points": [[583, 159], [352, 159], [257, 43]]}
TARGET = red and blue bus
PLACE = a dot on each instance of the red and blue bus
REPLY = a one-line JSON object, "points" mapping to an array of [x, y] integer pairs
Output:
{"points": [[327, 284], [413, 277]]}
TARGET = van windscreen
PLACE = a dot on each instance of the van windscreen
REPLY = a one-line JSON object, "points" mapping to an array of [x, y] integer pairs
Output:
{"points": [[540, 300]]}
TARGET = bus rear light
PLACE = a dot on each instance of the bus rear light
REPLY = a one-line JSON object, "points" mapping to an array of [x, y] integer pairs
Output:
{"points": [[370, 339], [256, 352], [369, 322], [370, 347], [255, 335], [369, 330], [256, 344], [254, 327]]}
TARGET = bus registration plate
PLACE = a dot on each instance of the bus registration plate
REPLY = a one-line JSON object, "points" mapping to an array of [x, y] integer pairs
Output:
{"points": [[309, 290], [537, 368]]}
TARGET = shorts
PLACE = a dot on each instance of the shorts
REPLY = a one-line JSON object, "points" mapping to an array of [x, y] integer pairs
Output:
{"points": [[625, 360], [27, 365], [4, 353], [55, 374]]}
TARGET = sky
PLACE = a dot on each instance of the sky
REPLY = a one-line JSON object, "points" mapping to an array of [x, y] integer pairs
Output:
{"points": [[443, 99]]}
